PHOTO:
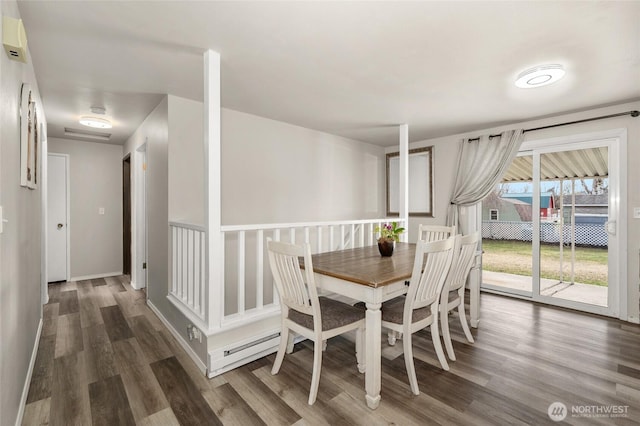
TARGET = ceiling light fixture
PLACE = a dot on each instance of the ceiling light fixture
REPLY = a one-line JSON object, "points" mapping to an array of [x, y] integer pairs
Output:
{"points": [[540, 76], [95, 122]]}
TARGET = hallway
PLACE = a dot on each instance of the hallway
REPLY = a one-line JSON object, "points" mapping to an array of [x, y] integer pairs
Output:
{"points": [[105, 359]]}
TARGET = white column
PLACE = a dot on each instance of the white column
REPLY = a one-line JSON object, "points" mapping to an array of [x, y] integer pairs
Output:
{"points": [[403, 191], [214, 269]]}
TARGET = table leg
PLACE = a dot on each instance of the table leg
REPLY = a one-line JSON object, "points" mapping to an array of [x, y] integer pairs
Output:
{"points": [[373, 354]]}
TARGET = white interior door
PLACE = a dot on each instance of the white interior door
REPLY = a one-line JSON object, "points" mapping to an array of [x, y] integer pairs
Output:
{"points": [[57, 217]]}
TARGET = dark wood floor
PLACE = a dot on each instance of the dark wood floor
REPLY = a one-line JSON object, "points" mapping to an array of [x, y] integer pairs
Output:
{"points": [[105, 359]]}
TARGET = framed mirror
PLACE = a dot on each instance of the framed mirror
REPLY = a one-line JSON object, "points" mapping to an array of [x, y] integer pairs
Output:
{"points": [[420, 182]]}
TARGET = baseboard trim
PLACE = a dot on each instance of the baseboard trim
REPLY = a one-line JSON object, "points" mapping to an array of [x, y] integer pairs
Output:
{"points": [[96, 276], [194, 357], [32, 363]]}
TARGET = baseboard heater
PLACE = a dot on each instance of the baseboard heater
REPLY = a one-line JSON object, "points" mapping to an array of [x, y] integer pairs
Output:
{"points": [[243, 352], [248, 345]]}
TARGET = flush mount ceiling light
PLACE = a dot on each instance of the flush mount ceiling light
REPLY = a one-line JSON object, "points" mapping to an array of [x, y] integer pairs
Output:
{"points": [[96, 122], [540, 76]]}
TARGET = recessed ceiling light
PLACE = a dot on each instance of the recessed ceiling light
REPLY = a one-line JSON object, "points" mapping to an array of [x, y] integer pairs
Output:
{"points": [[540, 76], [96, 122]]}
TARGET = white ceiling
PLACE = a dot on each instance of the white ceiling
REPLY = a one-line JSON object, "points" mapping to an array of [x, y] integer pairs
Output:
{"points": [[355, 69]]}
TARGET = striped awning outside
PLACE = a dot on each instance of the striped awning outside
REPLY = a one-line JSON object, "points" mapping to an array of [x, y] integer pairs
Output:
{"points": [[582, 163]]}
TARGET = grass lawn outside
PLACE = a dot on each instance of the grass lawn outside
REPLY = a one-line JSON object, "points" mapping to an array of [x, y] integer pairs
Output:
{"points": [[514, 257]]}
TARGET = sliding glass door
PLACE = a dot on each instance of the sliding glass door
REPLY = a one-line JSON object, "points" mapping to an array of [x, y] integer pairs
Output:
{"points": [[507, 231], [551, 228]]}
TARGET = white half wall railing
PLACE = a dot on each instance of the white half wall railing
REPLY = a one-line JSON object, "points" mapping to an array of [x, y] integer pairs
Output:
{"points": [[187, 288], [247, 291]]}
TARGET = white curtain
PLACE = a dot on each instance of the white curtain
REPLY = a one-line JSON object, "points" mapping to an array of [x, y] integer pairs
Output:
{"points": [[481, 165]]}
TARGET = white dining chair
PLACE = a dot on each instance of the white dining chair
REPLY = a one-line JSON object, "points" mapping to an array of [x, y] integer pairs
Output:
{"points": [[428, 233], [452, 295], [303, 312], [419, 308], [435, 232]]}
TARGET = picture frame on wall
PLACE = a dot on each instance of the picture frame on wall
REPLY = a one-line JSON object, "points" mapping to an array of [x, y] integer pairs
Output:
{"points": [[420, 182], [29, 138], [34, 145]]}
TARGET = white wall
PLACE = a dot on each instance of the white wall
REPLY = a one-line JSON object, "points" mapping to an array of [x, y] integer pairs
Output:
{"points": [[274, 172], [95, 174], [20, 243], [446, 151], [186, 161], [154, 131], [271, 172]]}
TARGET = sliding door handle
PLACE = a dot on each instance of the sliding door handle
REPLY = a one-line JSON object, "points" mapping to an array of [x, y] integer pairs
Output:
{"points": [[610, 227]]}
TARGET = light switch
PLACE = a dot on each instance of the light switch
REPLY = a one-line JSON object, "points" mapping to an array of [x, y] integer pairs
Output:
{"points": [[101, 210], [636, 212]]}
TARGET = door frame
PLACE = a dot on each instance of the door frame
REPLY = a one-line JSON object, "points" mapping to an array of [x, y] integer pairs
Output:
{"points": [[127, 233], [139, 215], [44, 188], [621, 292], [68, 208]]}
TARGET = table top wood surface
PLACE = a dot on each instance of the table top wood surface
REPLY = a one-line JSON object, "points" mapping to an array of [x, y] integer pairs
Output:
{"points": [[364, 265]]}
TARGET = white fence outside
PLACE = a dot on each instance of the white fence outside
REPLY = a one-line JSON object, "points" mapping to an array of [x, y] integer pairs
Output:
{"points": [[586, 234]]}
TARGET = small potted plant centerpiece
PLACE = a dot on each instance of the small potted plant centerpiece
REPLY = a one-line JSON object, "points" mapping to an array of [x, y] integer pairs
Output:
{"points": [[389, 234]]}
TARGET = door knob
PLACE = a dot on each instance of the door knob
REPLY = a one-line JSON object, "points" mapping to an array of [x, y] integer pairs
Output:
{"points": [[60, 226]]}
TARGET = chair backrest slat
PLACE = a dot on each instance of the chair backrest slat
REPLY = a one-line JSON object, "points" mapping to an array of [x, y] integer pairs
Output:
{"points": [[296, 288], [431, 233], [464, 256], [430, 270]]}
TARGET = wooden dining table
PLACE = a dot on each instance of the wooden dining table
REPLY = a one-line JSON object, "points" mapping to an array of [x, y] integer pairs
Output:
{"points": [[362, 274]]}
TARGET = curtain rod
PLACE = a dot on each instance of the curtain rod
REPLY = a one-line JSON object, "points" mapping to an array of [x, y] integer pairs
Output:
{"points": [[633, 113]]}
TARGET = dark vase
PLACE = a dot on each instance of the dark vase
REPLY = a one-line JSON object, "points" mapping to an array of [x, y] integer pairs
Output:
{"points": [[386, 247]]}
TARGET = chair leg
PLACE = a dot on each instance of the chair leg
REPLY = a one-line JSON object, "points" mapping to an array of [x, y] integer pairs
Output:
{"points": [[391, 336], [446, 336], [290, 342], [463, 322], [284, 338], [317, 366], [435, 336], [408, 362], [361, 350], [324, 345]]}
